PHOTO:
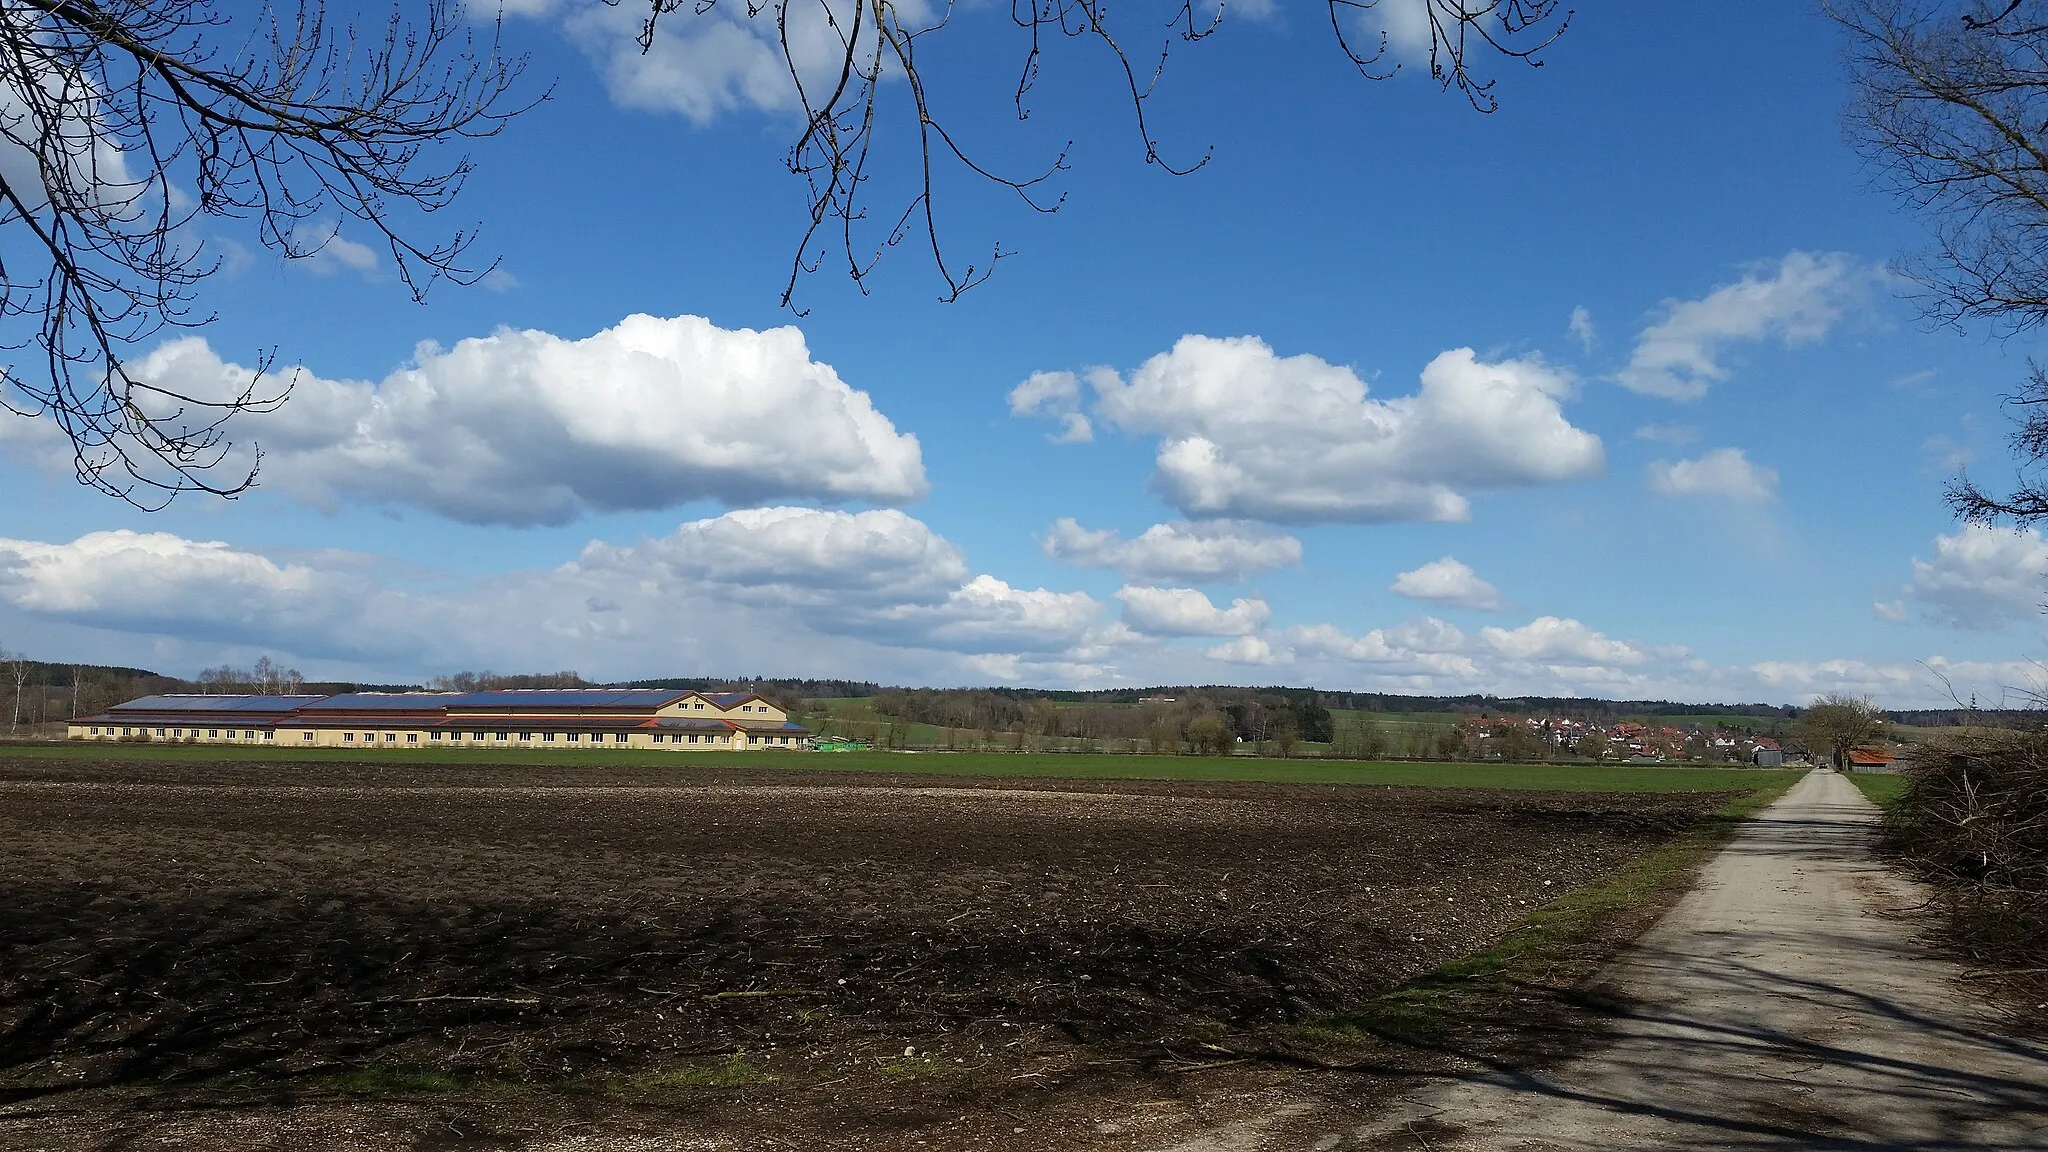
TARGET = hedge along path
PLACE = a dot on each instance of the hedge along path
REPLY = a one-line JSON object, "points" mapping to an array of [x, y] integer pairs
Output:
{"points": [[1782, 1003]]}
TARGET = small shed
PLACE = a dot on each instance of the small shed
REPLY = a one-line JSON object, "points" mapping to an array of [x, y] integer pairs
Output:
{"points": [[1767, 754], [1869, 760]]}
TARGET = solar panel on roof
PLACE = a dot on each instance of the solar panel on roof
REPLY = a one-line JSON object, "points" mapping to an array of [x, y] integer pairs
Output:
{"points": [[384, 702], [196, 703], [565, 698]]}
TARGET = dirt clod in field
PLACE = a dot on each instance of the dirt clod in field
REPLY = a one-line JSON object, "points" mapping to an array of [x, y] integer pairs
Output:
{"points": [[896, 952]]}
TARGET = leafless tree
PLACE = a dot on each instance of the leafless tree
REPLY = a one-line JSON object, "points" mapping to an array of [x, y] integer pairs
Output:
{"points": [[126, 125], [1836, 725], [843, 96], [16, 667], [1951, 107]]}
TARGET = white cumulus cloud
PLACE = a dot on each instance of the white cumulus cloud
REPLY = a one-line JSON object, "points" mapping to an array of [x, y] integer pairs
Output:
{"points": [[525, 427], [1228, 550], [1447, 581], [1187, 612], [1249, 434], [162, 584], [708, 59], [1058, 395], [1549, 639], [801, 556], [1679, 357], [1722, 472], [1982, 578], [808, 587], [1256, 651]]}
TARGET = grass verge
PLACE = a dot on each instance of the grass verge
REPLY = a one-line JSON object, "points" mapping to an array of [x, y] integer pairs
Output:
{"points": [[1881, 787], [733, 1072], [1481, 1003], [388, 1082]]}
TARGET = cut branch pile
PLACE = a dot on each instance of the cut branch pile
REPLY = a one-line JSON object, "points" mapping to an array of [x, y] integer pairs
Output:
{"points": [[1974, 815]]}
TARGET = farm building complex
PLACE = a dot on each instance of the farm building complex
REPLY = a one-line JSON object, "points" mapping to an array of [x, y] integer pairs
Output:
{"points": [[532, 718]]}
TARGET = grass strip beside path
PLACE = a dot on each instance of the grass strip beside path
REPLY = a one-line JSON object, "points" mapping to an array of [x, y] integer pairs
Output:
{"points": [[1883, 788], [1505, 1002]]}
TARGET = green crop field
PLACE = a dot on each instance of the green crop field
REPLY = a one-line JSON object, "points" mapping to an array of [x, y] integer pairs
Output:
{"points": [[1039, 765]]}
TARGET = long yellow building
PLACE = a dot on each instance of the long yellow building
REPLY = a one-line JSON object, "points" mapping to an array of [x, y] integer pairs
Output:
{"points": [[676, 719]]}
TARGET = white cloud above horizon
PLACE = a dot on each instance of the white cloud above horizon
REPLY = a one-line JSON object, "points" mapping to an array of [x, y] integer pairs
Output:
{"points": [[1198, 551], [1725, 472], [1248, 434], [1447, 581], [1797, 302], [1981, 578], [800, 591], [1187, 612], [523, 427]]}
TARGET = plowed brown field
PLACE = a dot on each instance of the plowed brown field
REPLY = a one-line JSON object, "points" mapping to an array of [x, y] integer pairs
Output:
{"points": [[884, 955]]}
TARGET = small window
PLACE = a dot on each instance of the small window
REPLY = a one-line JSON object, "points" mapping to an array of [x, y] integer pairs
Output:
{"points": [[213, 733], [618, 737], [349, 736], [391, 737], [273, 735], [693, 737], [573, 737], [306, 736], [477, 736], [503, 736], [414, 737], [526, 735], [435, 736]]}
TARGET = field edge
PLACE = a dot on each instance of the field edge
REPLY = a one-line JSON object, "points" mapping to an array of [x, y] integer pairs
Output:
{"points": [[1533, 996]]}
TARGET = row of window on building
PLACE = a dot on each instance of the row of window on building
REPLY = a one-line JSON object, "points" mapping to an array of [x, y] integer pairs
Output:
{"points": [[475, 737], [552, 737], [211, 733]]}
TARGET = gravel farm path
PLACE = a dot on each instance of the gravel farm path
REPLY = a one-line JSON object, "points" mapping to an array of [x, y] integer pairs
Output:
{"points": [[1782, 1004]]}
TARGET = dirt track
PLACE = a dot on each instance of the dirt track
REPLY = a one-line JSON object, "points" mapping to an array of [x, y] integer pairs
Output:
{"points": [[1782, 1004]]}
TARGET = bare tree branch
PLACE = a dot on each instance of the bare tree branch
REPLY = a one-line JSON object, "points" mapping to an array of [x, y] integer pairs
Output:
{"points": [[842, 100], [126, 123]]}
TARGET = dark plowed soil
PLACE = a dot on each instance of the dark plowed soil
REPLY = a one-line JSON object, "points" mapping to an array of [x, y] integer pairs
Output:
{"points": [[884, 954]]}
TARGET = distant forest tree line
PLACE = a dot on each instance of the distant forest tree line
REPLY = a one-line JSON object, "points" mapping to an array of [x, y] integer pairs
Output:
{"points": [[35, 695]]}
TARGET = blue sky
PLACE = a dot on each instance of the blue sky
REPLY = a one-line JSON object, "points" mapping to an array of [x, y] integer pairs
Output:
{"points": [[1607, 393]]}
